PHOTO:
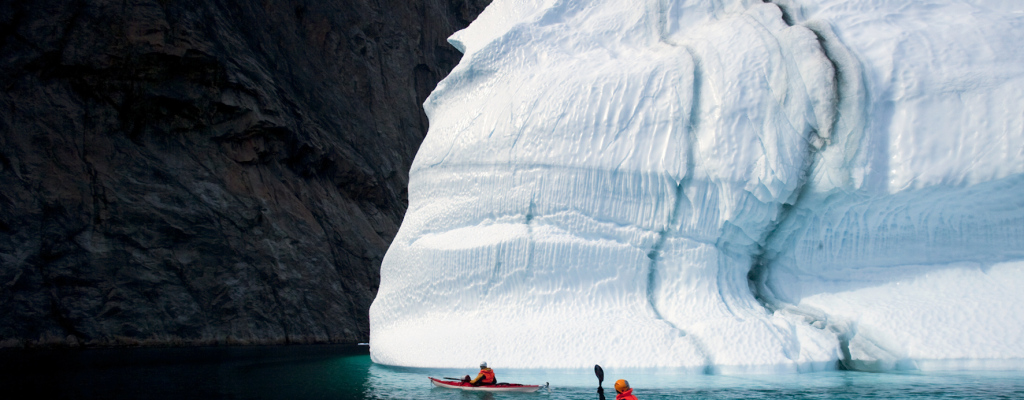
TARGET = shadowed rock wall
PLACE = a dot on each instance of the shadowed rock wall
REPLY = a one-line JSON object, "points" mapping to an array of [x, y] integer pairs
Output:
{"points": [[207, 171]]}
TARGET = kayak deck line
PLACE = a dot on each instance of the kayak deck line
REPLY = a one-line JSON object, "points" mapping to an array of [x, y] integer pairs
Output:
{"points": [[501, 387]]}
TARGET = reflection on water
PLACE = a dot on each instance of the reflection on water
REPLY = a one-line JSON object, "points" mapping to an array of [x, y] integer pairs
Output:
{"points": [[345, 372], [385, 382]]}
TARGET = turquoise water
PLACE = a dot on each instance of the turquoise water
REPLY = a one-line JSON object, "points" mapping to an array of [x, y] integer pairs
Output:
{"points": [[346, 372]]}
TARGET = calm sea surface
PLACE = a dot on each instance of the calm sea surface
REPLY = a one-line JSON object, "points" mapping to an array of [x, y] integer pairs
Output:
{"points": [[345, 372]]}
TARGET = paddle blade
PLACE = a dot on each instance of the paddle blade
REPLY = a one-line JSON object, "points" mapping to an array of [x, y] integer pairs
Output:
{"points": [[600, 374]]}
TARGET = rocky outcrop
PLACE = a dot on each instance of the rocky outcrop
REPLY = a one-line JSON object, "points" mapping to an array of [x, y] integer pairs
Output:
{"points": [[207, 171]]}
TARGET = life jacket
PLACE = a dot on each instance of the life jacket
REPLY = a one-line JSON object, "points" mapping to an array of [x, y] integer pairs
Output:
{"points": [[627, 395], [488, 376]]}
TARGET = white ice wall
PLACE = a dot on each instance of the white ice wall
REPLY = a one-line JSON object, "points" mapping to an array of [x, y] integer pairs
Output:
{"points": [[600, 177], [915, 258]]}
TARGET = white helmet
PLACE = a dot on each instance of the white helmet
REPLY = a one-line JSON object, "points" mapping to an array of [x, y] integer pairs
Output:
{"points": [[483, 364]]}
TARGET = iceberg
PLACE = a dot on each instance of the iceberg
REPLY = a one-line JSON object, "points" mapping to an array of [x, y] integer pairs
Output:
{"points": [[719, 186]]}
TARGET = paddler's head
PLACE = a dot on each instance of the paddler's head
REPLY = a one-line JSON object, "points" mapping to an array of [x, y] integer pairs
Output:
{"points": [[621, 385], [483, 365]]}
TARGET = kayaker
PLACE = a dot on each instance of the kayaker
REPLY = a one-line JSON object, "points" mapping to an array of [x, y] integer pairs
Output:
{"points": [[624, 391], [485, 377]]}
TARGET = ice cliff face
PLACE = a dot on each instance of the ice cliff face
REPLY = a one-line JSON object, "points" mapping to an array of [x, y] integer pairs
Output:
{"points": [[717, 185], [909, 238]]}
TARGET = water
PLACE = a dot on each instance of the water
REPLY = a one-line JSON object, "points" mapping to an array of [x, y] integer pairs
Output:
{"points": [[346, 372]]}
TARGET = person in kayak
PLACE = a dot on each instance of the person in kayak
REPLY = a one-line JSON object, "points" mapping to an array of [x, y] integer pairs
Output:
{"points": [[624, 391], [485, 377]]}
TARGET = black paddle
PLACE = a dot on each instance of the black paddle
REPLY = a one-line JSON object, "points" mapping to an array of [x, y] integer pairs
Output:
{"points": [[600, 378]]}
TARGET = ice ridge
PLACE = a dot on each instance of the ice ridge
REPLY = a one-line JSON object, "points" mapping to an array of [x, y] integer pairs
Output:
{"points": [[717, 186]]}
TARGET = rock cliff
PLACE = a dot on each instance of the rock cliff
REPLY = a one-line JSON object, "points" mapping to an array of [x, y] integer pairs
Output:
{"points": [[198, 172]]}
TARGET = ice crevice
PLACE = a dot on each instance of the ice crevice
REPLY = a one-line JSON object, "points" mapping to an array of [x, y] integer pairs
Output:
{"points": [[724, 186], [848, 88]]}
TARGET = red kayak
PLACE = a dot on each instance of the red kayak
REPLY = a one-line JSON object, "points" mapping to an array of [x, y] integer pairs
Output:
{"points": [[501, 387]]}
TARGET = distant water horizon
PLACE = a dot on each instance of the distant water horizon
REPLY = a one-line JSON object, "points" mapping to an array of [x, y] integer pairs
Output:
{"points": [[346, 372]]}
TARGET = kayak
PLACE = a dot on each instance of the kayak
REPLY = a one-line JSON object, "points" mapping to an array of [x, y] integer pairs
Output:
{"points": [[501, 387]]}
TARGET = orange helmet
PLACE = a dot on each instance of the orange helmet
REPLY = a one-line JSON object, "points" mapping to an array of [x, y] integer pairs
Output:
{"points": [[621, 385]]}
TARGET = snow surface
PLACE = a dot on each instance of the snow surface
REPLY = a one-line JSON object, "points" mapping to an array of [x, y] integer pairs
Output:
{"points": [[726, 186]]}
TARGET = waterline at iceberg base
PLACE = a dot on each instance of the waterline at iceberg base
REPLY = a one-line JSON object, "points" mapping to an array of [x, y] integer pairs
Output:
{"points": [[719, 186]]}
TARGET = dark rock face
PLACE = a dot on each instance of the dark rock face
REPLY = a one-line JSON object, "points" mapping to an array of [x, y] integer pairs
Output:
{"points": [[207, 171]]}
